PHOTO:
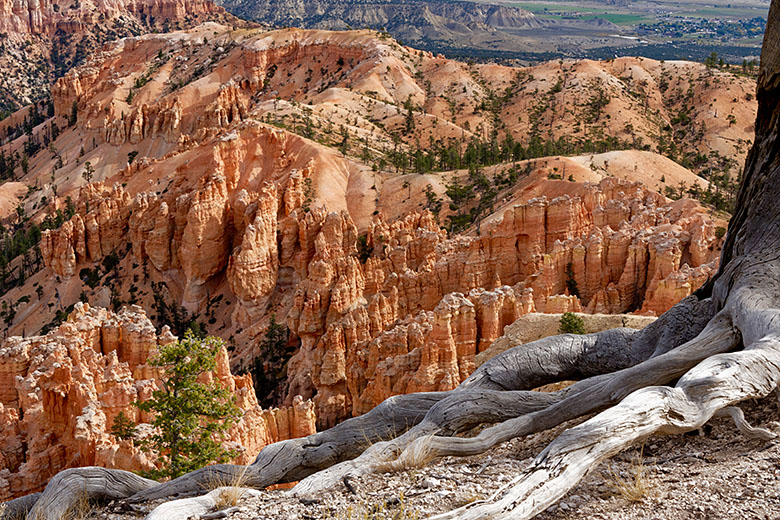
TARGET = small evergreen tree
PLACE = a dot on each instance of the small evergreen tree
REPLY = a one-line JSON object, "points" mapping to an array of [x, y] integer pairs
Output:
{"points": [[344, 145], [123, 427], [89, 172], [571, 324], [409, 115], [571, 283], [190, 416], [270, 368]]}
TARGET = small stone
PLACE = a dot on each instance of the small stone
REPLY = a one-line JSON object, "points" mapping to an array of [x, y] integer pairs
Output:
{"points": [[429, 482]]}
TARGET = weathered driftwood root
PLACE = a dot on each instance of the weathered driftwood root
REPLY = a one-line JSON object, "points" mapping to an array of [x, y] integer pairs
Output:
{"points": [[423, 443], [195, 507], [716, 383], [73, 486], [18, 508], [697, 341], [744, 427], [609, 365]]}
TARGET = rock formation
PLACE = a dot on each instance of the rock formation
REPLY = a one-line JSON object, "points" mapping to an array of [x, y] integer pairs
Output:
{"points": [[44, 17], [417, 299], [61, 35], [61, 393], [413, 317], [239, 178], [360, 80]]}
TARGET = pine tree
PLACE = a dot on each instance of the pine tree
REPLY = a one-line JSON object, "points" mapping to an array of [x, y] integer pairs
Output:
{"points": [[123, 427], [271, 366], [571, 283], [190, 416], [409, 107], [89, 172]]}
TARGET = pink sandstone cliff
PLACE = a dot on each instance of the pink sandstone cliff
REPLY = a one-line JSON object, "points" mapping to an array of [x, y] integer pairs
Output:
{"points": [[414, 315], [60, 393]]}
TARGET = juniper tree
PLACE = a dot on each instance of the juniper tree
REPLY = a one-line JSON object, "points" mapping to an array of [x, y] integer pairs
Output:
{"points": [[89, 172], [123, 427], [571, 324]]}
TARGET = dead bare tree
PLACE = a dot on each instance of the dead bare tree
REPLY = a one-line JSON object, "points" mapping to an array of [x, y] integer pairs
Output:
{"points": [[708, 353]]}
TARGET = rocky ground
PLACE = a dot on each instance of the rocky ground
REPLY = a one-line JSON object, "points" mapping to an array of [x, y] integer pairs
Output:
{"points": [[715, 473]]}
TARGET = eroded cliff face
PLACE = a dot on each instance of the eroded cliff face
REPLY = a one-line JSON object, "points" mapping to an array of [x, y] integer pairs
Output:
{"points": [[401, 308], [61, 393], [31, 17], [218, 208], [43, 39], [415, 314]]}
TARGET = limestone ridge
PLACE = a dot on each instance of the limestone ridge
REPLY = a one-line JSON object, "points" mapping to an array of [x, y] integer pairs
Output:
{"points": [[429, 16], [362, 81], [466, 26]]}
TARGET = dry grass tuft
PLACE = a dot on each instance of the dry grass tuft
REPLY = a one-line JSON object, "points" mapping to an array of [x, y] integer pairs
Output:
{"points": [[634, 488], [231, 487], [82, 508], [416, 455]]}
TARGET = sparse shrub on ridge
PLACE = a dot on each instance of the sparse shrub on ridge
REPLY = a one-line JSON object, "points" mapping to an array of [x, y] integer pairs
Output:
{"points": [[571, 324]]}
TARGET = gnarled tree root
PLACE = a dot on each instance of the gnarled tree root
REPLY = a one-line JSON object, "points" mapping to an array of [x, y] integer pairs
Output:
{"points": [[744, 427], [18, 508], [716, 383], [422, 443], [72, 486], [195, 507]]}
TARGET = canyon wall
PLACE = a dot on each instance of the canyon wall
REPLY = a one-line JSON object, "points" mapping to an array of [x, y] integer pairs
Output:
{"points": [[415, 314], [42, 39], [34, 17], [401, 308]]}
